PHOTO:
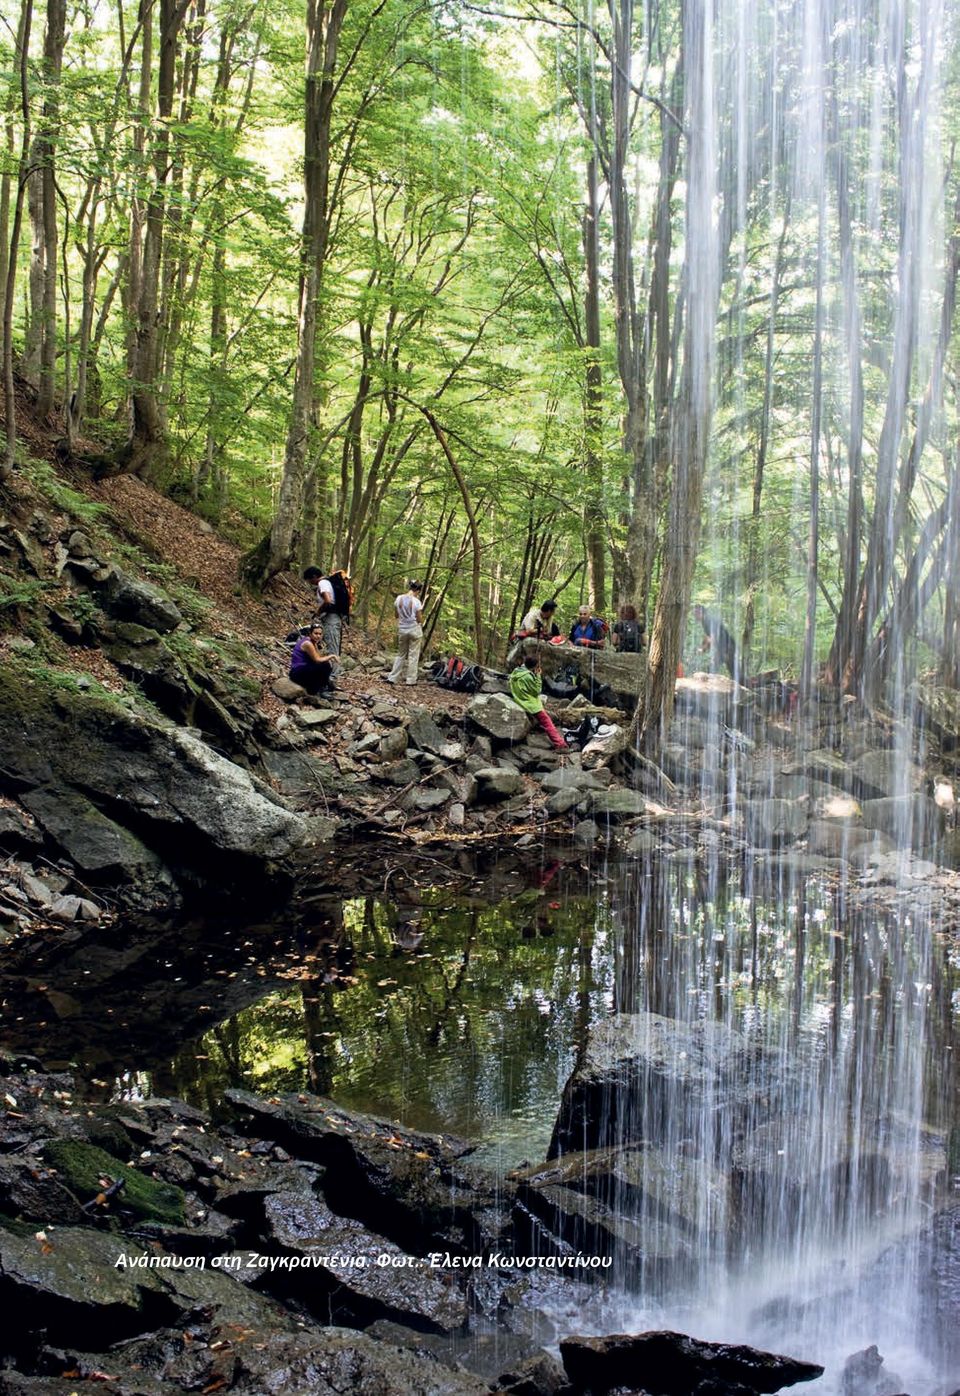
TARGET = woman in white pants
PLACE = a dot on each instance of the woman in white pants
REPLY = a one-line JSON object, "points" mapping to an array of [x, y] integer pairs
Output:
{"points": [[409, 609]]}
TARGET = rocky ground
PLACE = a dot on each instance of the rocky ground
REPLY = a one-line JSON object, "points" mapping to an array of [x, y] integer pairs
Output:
{"points": [[152, 742], [296, 1248]]}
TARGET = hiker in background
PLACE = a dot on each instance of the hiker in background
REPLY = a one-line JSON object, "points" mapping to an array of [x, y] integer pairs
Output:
{"points": [[719, 641], [409, 609], [537, 624], [628, 631], [334, 599], [309, 667], [525, 692], [588, 630]]}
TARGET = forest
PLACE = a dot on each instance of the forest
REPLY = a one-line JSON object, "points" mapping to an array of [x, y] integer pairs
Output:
{"points": [[624, 303]]}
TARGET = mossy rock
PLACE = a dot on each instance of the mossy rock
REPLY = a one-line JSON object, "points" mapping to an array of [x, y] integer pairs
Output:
{"points": [[81, 1167]]}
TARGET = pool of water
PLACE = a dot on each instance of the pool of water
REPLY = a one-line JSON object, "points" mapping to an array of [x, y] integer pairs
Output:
{"points": [[454, 1012]]}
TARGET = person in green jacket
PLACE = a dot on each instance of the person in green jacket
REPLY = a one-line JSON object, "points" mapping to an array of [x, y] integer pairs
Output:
{"points": [[525, 692]]}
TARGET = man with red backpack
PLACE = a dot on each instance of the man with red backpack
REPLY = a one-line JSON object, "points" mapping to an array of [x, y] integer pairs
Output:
{"points": [[334, 599]]}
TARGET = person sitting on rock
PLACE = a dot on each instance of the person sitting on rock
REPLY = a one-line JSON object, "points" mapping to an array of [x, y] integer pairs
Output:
{"points": [[588, 630], [308, 667], [537, 624], [526, 693]]}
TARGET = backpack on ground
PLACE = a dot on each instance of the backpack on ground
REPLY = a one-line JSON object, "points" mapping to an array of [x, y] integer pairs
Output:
{"points": [[458, 676], [342, 593]]}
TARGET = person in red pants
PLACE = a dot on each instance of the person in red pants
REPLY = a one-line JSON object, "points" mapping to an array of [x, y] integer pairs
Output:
{"points": [[525, 692]]}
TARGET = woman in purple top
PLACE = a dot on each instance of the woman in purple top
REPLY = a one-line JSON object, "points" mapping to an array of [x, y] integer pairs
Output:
{"points": [[308, 667]]}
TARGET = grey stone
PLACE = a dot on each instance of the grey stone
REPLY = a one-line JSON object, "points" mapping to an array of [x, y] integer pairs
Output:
{"points": [[398, 772], [835, 838], [404, 1290], [393, 745], [455, 816], [497, 783], [563, 800], [642, 843], [913, 821], [314, 717], [425, 798], [616, 804], [424, 732], [770, 823], [885, 773], [586, 832], [499, 718], [647, 1078], [288, 691]]}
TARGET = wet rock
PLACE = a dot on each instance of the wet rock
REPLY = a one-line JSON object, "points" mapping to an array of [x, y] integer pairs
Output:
{"points": [[586, 832], [497, 783], [862, 1375], [646, 1077], [539, 1375], [334, 1361], [615, 804], [74, 909], [642, 844], [835, 838], [939, 1270], [883, 773], [359, 1286], [72, 1281], [673, 1364], [456, 815], [498, 718], [29, 1189], [601, 749], [770, 823], [823, 765], [913, 821], [83, 1168], [394, 1180]]}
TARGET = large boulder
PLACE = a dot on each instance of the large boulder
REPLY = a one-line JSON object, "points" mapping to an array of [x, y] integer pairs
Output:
{"points": [[124, 597], [499, 718], [877, 774], [674, 1364], [912, 821], [162, 785], [646, 1078]]}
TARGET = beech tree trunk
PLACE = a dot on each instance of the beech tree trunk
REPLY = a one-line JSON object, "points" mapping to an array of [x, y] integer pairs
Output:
{"points": [[278, 550]]}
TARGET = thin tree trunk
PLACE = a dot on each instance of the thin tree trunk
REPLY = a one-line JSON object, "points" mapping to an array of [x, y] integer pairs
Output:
{"points": [[9, 396], [279, 549], [594, 514]]}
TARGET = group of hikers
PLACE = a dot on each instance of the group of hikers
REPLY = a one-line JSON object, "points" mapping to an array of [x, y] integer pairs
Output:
{"points": [[316, 649]]}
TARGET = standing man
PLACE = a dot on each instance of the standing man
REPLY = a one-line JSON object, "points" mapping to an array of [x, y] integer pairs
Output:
{"points": [[333, 605], [409, 609], [718, 641]]}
